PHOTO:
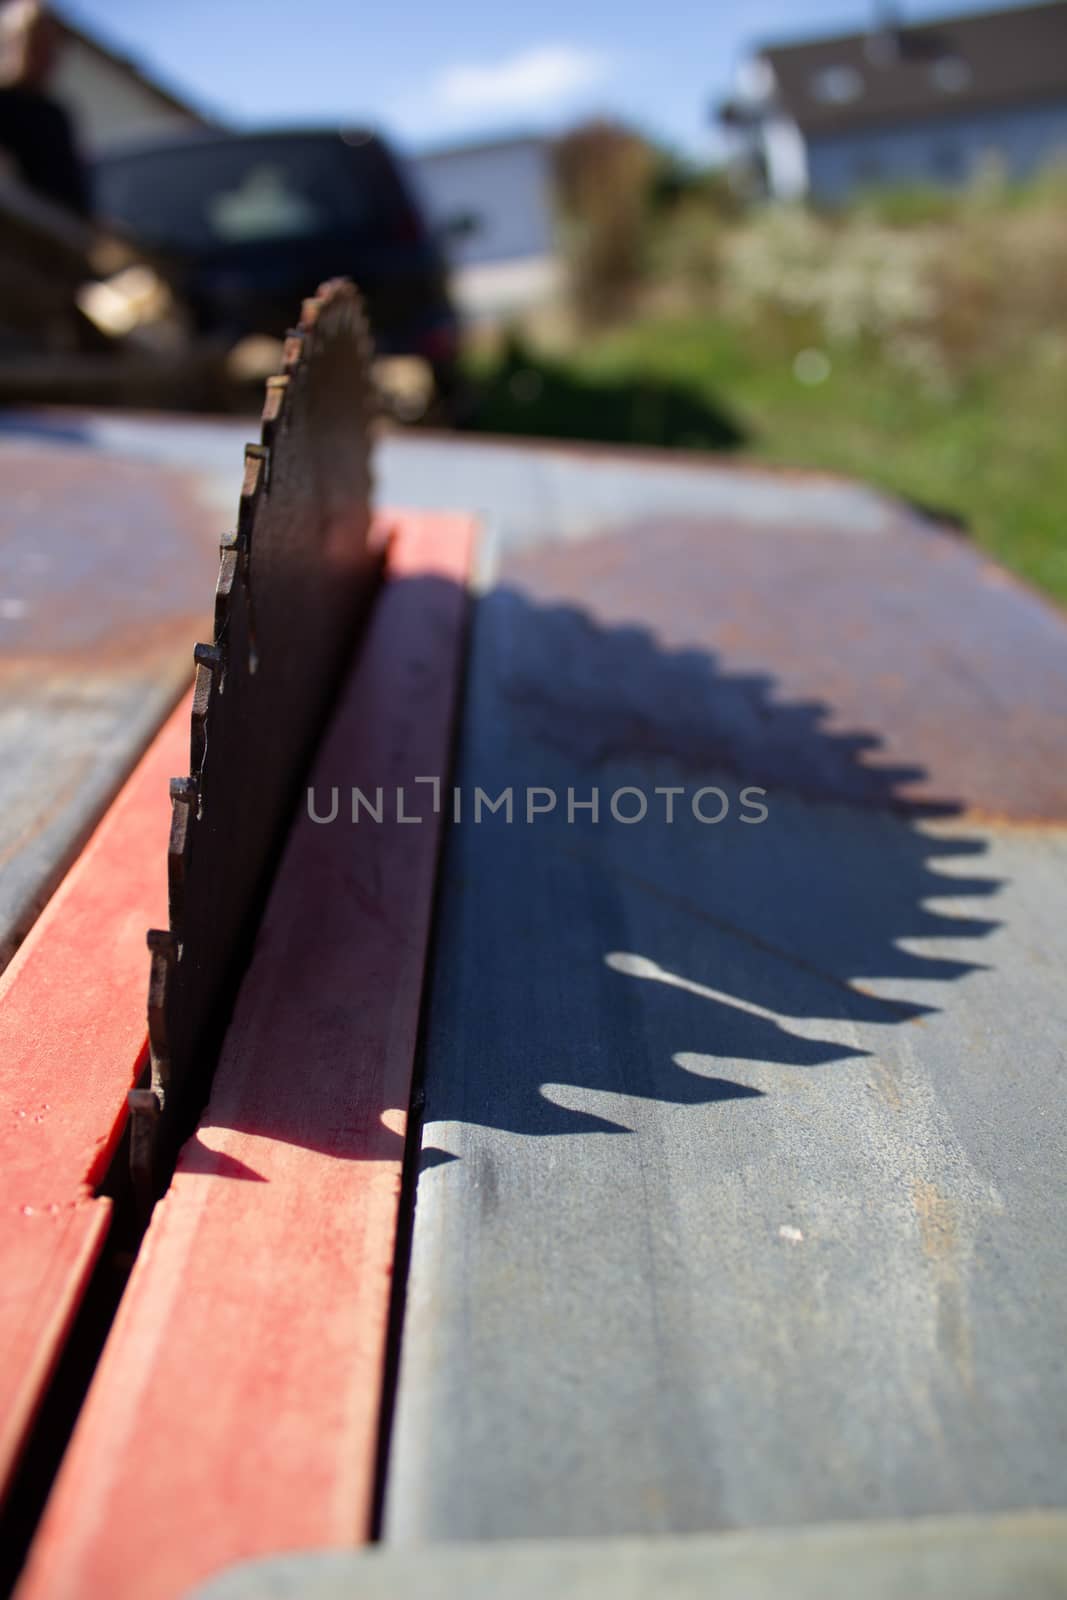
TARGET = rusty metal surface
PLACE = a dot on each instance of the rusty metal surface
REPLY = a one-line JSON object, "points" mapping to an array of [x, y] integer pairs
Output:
{"points": [[294, 580], [741, 1193], [903, 670], [742, 1165], [104, 567]]}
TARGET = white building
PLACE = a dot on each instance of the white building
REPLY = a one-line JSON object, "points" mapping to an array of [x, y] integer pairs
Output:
{"points": [[110, 98], [503, 186], [904, 105], [505, 258]]}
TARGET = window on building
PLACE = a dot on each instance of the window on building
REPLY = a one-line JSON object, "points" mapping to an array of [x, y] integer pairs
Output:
{"points": [[946, 161], [836, 85], [950, 74], [869, 170]]}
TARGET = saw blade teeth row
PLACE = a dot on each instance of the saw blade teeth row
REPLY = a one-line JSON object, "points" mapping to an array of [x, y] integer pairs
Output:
{"points": [[212, 659]]}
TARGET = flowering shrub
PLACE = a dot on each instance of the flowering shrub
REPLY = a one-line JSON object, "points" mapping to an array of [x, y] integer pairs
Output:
{"points": [[940, 298]]}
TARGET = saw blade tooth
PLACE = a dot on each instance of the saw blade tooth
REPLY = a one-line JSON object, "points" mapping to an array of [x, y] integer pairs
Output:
{"points": [[253, 465], [336, 290], [144, 1104], [159, 974], [208, 655], [252, 487], [274, 396], [213, 658], [230, 565], [272, 419], [228, 568], [164, 953], [202, 686], [262, 451], [233, 564], [145, 1108], [181, 815], [292, 350], [162, 942]]}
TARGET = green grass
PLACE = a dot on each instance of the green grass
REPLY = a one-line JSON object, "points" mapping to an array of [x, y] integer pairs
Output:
{"points": [[992, 456]]}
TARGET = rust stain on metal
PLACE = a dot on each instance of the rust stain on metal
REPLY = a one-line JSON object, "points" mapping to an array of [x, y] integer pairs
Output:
{"points": [[104, 569], [880, 669], [939, 1234], [671, 458], [54, 804], [98, 559], [937, 1221]]}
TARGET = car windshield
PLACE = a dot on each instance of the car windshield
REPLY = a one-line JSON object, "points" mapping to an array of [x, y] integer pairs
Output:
{"points": [[202, 197]]}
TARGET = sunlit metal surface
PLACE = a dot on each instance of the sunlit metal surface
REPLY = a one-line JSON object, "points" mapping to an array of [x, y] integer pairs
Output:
{"points": [[104, 569], [741, 1195], [741, 1186]]}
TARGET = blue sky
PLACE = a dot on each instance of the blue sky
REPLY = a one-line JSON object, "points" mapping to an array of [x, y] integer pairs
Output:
{"points": [[430, 71]]}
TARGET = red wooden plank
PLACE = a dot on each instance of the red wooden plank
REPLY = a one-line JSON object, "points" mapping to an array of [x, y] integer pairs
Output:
{"points": [[72, 1039], [235, 1409]]}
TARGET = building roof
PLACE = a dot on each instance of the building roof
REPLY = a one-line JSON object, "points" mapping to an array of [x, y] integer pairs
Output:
{"points": [[482, 146], [901, 73]]}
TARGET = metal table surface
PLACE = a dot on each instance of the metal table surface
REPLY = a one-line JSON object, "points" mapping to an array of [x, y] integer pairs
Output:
{"points": [[743, 1193], [741, 1199], [106, 572]]}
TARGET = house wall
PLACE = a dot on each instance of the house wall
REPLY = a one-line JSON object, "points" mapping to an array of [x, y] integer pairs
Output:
{"points": [[944, 150], [506, 187], [785, 158], [108, 103]]}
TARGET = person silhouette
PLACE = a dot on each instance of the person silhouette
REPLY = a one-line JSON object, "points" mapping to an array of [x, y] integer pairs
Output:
{"points": [[35, 130]]}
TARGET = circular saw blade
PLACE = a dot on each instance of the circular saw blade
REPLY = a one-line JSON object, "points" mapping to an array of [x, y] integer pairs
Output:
{"points": [[295, 579]]}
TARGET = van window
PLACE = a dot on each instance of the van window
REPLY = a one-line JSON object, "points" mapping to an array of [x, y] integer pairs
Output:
{"points": [[244, 191]]}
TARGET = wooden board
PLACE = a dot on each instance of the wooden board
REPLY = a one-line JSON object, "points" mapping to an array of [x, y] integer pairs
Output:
{"points": [[72, 1040], [235, 1409]]}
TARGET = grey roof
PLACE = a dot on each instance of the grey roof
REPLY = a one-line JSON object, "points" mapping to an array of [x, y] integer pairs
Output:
{"points": [[972, 62]]}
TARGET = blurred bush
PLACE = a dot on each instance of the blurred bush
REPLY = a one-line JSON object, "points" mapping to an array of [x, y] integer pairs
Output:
{"points": [[917, 340], [937, 283], [525, 391], [604, 174], [944, 287], [636, 219]]}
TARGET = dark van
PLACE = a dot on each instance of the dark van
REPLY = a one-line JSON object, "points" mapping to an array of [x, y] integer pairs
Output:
{"points": [[250, 223]]}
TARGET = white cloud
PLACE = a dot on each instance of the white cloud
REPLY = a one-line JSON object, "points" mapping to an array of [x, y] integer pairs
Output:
{"points": [[531, 80]]}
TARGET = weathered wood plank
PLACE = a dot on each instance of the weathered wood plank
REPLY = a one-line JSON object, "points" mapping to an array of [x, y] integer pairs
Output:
{"points": [[72, 1040]]}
